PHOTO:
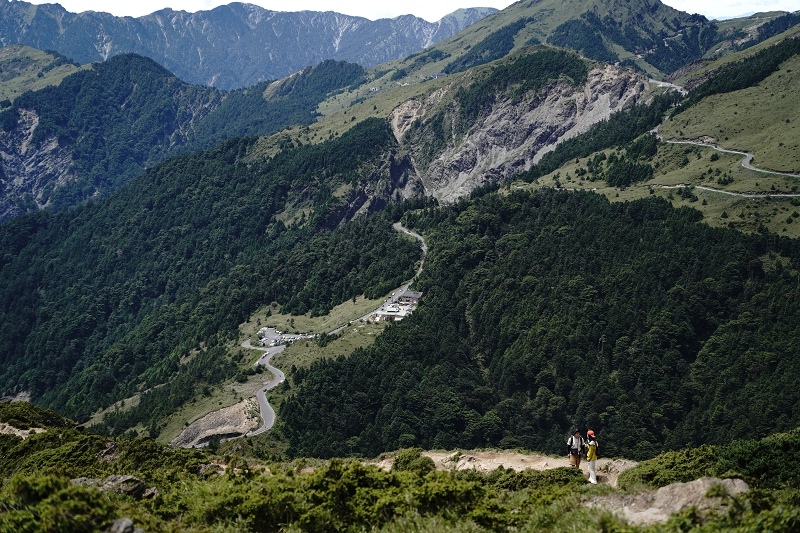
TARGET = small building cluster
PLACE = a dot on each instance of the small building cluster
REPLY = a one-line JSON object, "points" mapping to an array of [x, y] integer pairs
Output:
{"points": [[397, 307]]}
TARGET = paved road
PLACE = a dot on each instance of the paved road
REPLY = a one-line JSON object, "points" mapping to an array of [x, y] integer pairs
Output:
{"points": [[746, 163], [267, 412], [399, 227], [424, 247], [740, 194]]}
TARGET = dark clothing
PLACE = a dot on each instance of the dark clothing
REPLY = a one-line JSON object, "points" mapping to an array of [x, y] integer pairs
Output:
{"points": [[575, 446]]}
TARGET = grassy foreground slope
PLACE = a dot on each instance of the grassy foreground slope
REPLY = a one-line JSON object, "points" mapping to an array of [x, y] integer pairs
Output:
{"points": [[57, 479]]}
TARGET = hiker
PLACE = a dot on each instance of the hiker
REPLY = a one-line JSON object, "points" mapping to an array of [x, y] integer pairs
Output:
{"points": [[575, 447], [591, 456]]}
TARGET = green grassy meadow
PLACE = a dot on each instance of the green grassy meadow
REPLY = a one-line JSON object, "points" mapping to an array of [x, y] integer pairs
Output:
{"points": [[758, 120], [763, 120], [25, 69]]}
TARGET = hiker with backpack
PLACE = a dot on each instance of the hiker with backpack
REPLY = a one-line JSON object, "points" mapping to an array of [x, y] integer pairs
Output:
{"points": [[575, 447], [591, 456]]}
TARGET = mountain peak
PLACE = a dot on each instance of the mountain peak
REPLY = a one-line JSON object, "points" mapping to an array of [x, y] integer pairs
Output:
{"points": [[230, 46]]}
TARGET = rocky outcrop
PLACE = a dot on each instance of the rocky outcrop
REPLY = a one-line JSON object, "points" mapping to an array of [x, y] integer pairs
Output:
{"points": [[653, 507], [123, 525], [513, 136], [392, 181], [30, 171], [119, 484]]}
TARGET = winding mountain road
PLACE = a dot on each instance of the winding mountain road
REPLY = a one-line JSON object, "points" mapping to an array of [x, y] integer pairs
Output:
{"points": [[423, 246], [748, 158], [399, 227], [267, 412], [746, 163]]}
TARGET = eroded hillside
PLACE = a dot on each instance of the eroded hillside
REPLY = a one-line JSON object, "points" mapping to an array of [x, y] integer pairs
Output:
{"points": [[512, 134]]}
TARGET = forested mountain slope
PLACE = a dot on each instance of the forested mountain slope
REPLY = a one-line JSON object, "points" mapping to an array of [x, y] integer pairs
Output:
{"points": [[119, 291], [557, 309], [542, 309], [116, 294], [231, 46], [100, 127], [527, 289]]}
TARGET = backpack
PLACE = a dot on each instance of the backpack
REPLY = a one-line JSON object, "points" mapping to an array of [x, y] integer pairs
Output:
{"points": [[581, 445]]}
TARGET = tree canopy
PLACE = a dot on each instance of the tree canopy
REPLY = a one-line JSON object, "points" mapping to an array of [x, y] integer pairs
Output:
{"points": [[548, 310]]}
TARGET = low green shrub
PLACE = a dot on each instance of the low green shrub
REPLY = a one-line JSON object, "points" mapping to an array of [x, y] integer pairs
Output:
{"points": [[23, 415], [765, 463], [47, 502], [412, 460]]}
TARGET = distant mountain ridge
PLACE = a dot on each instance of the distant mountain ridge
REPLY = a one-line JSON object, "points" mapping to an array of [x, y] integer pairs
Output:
{"points": [[647, 35], [228, 47]]}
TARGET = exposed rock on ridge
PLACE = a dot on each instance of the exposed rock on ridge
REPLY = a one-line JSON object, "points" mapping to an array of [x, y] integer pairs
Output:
{"points": [[27, 172], [653, 507], [514, 136]]}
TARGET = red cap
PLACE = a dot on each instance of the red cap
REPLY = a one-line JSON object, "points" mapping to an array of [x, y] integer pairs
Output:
{"points": [[590, 433]]}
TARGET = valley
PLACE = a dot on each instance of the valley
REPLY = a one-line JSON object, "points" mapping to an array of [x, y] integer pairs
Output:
{"points": [[236, 420], [375, 296]]}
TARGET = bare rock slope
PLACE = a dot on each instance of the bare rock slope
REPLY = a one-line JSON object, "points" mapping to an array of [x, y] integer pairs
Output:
{"points": [[30, 169], [233, 421], [513, 136]]}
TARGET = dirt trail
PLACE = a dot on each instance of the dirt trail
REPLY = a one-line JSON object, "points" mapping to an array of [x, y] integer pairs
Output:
{"points": [[643, 508], [608, 470]]}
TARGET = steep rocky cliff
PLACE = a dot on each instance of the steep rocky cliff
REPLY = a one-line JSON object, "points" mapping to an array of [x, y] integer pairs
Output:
{"points": [[513, 135], [30, 172]]}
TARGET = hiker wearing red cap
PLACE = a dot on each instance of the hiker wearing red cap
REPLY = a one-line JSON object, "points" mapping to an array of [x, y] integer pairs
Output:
{"points": [[591, 456]]}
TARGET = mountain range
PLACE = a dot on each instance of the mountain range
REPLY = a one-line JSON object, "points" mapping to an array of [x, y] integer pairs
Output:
{"points": [[597, 252], [657, 39], [231, 46]]}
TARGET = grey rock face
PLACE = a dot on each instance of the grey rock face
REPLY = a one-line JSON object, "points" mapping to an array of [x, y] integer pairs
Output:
{"points": [[119, 484], [30, 169], [231, 46], [514, 136]]}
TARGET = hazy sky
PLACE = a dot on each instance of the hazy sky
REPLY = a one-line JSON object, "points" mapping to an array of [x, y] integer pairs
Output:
{"points": [[431, 10]]}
